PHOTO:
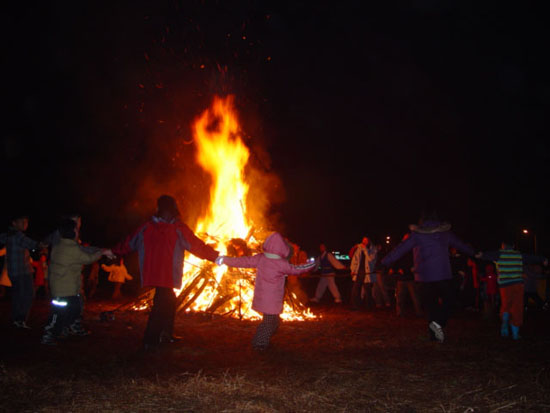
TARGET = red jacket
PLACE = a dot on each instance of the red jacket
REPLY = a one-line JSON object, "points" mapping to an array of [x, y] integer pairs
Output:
{"points": [[161, 247]]}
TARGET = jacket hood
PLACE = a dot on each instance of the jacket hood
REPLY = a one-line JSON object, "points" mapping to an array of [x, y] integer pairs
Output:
{"points": [[430, 227], [275, 244]]}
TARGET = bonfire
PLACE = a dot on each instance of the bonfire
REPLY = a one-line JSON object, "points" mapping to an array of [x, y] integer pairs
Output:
{"points": [[226, 225]]}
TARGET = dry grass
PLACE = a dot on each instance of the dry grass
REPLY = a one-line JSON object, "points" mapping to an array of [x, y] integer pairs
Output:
{"points": [[345, 363], [339, 390]]}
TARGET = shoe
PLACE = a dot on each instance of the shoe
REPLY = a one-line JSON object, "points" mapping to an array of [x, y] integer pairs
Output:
{"points": [[314, 300], [338, 301], [504, 332], [438, 331], [48, 339], [21, 324], [515, 332]]}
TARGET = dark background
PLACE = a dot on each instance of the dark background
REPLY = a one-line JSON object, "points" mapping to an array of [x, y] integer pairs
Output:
{"points": [[367, 114]]}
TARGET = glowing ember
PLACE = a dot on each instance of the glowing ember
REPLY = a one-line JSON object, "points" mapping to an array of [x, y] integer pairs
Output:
{"points": [[222, 153]]}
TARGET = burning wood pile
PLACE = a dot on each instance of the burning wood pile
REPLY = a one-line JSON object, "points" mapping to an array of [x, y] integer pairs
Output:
{"points": [[207, 287]]}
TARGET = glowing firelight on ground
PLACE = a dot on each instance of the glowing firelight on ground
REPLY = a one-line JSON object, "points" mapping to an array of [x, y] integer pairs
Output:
{"points": [[222, 153]]}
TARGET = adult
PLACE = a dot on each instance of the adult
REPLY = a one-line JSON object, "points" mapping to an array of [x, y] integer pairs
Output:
{"points": [[20, 270], [430, 242], [161, 243], [363, 257], [327, 265], [379, 291]]}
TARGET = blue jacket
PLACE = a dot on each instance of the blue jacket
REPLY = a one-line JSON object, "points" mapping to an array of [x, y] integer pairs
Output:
{"points": [[430, 245]]}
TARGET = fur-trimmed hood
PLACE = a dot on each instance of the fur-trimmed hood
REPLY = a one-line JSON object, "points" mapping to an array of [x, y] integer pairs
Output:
{"points": [[430, 227]]}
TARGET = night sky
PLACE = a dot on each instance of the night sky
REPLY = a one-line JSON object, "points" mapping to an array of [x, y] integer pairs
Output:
{"points": [[360, 116]]}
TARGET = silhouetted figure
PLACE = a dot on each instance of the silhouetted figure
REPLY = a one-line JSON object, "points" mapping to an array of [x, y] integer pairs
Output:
{"points": [[66, 261], [161, 244], [20, 270], [430, 242]]}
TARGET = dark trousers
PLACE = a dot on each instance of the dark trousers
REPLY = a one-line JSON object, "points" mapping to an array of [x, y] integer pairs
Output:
{"points": [[265, 331], [437, 300], [162, 316], [356, 301], [64, 312], [403, 290], [22, 296]]}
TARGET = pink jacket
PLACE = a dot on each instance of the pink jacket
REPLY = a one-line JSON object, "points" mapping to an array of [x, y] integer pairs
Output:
{"points": [[269, 289]]}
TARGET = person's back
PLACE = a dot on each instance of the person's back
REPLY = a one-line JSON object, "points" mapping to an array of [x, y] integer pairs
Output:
{"points": [[66, 261], [161, 244], [430, 243], [272, 266], [65, 268], [17, 252], [20, 270]]}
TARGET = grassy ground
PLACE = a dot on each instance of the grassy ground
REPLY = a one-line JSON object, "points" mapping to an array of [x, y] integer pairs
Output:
{"points": [[346, 362]]}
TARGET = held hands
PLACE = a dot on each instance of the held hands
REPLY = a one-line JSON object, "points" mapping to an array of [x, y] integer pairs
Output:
{"points": [[108, 253], [219, 260]]}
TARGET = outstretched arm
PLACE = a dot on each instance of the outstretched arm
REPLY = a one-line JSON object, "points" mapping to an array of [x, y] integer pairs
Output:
{"points": [[454, 241], [335, 263], [242, 262], [196, 246], [534, 259], [399, 251], [300, 269]]}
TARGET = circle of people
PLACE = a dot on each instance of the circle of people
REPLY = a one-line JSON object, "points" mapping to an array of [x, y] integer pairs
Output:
{"points": [[421, 263]]}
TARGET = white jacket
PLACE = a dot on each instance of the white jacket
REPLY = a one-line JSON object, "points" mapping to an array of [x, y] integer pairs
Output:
{"points": [[370, 261]]}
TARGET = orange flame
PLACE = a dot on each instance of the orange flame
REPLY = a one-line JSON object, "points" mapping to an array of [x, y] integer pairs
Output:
{"points": [[222, 153]]}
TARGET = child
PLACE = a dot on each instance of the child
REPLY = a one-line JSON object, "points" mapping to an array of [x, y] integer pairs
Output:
{"points": [[118, 274], [66, 262], [491, 287], [4, 279], [269, 288], [40, 275], [509, 263]]}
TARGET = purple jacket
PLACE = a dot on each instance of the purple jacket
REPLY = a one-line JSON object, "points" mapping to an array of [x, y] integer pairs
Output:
{"points": [[430, 245]]}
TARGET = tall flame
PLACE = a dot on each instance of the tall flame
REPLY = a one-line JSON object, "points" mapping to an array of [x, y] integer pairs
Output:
{"points": [[222, 153]]}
